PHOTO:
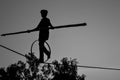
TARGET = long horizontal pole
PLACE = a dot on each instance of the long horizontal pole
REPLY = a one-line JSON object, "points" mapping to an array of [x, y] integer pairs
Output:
{"points": [[70, 25], [56, 27]]}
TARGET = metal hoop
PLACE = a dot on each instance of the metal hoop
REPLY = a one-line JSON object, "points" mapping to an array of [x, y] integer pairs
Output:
{"points": [[38, 41]]}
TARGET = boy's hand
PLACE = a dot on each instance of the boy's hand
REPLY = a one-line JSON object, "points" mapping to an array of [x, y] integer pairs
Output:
{"points": [[28, 31], [52, 28]]}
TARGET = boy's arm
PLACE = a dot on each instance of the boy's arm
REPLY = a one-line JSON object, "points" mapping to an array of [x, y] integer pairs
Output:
{"points": [[51, 26], [35, 29]]}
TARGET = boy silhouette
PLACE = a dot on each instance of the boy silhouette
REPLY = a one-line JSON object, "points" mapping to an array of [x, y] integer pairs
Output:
{"points": [[43, 28]]}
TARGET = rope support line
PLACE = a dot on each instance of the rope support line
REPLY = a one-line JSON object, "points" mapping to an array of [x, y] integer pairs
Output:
{"points": [[94, 67]]}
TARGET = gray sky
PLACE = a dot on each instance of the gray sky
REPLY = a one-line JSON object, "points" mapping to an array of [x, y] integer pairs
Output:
{"points": [[97, 44]]}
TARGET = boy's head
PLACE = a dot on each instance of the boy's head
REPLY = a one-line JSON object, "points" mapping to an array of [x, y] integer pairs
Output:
{"points": [[44, 13]]}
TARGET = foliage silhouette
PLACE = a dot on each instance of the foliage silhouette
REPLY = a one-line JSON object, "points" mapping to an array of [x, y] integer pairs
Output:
{"points": [[33, 70]]}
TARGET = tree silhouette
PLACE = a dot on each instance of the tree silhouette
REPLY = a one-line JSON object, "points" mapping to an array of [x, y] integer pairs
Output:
{"points": [[33, 70], [66, 70]]}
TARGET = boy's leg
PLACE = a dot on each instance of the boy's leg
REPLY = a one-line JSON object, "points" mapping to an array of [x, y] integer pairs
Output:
{"points": [[47, 52], [41, 48]]}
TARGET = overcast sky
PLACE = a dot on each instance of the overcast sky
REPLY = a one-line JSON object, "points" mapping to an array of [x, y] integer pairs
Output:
{"points": [[97, 44]]}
